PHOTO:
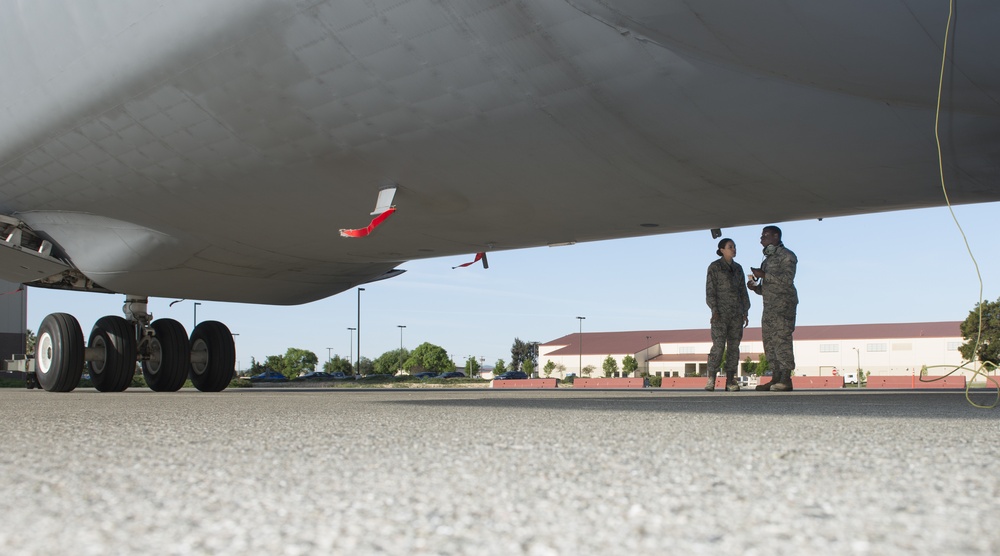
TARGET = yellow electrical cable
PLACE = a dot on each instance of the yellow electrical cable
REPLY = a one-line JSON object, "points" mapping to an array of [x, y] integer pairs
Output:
{"points": [[944, 189]]}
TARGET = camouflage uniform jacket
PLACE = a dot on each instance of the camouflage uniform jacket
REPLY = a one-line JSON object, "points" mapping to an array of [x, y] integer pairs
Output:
{"points": [[725, 289], [778, 285]]}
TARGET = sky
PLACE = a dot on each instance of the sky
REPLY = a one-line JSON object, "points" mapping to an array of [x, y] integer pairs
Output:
{"points": [[905, 266]]}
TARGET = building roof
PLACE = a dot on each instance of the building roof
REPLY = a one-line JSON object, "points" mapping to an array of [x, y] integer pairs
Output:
{"points": [[606, 343]]}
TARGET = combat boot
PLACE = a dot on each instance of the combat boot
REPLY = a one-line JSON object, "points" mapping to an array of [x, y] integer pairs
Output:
{"points": [[710, 385], [782, 383], [731, 384]]}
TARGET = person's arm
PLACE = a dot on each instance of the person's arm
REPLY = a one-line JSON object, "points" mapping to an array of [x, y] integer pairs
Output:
{"points": [[781, 268], [711, 298]]}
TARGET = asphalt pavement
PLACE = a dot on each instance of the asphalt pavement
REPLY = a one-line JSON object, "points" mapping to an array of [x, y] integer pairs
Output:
{"points": [[496, 472]]}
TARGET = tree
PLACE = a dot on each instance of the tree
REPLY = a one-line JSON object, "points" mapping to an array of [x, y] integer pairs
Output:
{"points": [[471, 366], [29, 342], [295, 362], [758, 368], [528, 367], [340, 364], [588, 370], [610, 366], [499, 367], [366, 367], [988, 350], [521, 352], [629, 365], [548, 368], [390, 362], [430, 357]]}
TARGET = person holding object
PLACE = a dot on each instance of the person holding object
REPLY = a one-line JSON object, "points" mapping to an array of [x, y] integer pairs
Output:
{"points": [[776, 285], [730, 304]]}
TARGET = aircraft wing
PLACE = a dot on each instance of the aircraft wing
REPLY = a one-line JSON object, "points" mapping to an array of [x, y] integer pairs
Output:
{"points": [[215, 150]]}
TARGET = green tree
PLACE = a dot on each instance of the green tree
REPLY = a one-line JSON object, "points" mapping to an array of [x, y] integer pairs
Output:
{"points": [[429, 357], [471, 366], [988, 350], [528, 367], [758, 368], [29, 342], [548, 368], [366, 367], [499, 367], [523, 351], [610, 366], [588, 370], [340, 364], [295, 362], [629, 365], [390, 362]]}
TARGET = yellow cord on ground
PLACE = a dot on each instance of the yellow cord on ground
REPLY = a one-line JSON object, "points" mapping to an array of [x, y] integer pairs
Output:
{"points": [[944, 189]]}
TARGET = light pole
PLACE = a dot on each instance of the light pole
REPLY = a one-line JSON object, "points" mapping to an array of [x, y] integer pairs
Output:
{"points": [[647, 355], [580, 371], [401, 327], [857, 372], [358, 373], [351, 343], [329, 358], [196, 304]]}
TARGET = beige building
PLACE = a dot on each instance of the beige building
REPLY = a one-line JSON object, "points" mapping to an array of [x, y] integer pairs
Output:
{"points": [[881, 349]]}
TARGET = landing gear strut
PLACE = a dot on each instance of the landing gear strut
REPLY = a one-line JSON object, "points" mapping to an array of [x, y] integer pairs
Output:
{"points": [[162, 347]]}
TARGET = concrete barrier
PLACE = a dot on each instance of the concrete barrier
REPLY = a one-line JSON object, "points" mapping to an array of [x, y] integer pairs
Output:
{"points": [[817, 382], [913, 381], [609, 383], [526, 383], [694, 382]]}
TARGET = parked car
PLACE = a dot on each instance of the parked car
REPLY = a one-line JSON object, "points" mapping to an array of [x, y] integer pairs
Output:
{"points": [[511, 375], [269, 375], [425, 374], [340, 375], [315, 375], [452, 374]]}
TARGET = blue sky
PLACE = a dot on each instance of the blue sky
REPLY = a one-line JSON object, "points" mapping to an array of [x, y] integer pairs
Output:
{"points": [[906, 266]]}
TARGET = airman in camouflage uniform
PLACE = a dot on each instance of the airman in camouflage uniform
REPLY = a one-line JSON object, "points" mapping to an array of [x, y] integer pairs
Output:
{"points": [[728, 299], [777, 287]]}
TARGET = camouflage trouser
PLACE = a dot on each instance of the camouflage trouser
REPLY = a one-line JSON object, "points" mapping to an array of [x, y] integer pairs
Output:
{"points": [[776, 326], [727, 332]]}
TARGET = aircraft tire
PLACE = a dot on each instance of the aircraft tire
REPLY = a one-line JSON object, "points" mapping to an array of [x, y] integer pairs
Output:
{"points": [[116, 337], [167, 366], [59, 353], [214, 356]]}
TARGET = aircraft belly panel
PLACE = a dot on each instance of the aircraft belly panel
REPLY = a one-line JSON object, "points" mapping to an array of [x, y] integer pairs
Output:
{"points": [[251, 132]]}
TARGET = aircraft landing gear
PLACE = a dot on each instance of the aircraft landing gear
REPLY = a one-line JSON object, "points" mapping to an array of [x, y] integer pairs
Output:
{"points": [[166, 354], [59, 353]]}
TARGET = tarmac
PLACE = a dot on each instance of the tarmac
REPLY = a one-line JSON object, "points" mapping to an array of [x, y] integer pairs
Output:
{"points": [[498, 472]]}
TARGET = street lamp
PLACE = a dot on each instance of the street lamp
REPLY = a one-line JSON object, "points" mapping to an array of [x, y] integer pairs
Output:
{"points": [[329, 358], [647, 355], [358, 373], [580, 372], [401, 327], [857, 373], [351, 343], [196, 304]]}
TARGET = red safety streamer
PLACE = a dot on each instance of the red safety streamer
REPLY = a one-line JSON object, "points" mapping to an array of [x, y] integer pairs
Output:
{"points": [[362, 232], [479, 256]]}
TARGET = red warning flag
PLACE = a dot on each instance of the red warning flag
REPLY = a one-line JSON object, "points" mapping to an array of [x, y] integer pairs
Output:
{"points": [[479, 256], [362, 232]]}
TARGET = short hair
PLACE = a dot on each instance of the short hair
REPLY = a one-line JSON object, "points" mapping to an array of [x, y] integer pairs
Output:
{"points": [[773, 229], [722, 243]]}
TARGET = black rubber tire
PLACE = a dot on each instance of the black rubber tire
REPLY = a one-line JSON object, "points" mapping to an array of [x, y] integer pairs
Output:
{"points": [[167, 368], [214, 354], [117, 338], [59, 353]]}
